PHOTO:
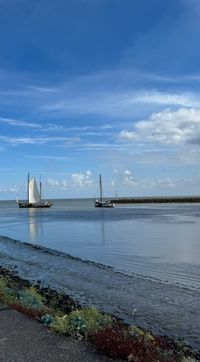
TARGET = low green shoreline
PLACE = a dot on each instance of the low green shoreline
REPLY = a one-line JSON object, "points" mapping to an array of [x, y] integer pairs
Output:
{"points": [[65, 316], [157, 200]]}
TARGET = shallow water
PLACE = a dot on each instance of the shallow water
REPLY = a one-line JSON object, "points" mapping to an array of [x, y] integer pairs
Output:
{"points": [[159, 241]]}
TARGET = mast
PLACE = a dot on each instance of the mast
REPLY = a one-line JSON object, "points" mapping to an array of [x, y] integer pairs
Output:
{"points": [[100, 185], [28, 187], [40, 189]]}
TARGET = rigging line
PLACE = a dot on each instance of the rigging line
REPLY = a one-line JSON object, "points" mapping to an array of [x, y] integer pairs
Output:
{"points": [[21, 188]]}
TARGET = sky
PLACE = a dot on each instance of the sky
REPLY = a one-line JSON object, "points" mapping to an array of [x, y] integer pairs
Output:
{"points": [[100, 86]]}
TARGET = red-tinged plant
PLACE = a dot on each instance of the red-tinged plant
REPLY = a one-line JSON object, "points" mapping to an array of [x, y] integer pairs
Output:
{"points": [[144, 351], [112, 342], [116, 343], [164, 343]]}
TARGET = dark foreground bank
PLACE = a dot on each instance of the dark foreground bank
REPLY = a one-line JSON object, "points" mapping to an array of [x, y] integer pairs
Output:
{"points": [[22, 339]]}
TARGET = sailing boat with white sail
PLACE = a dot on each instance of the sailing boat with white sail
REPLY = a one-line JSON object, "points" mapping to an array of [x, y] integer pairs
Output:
{"points": [[34, 198], [101, 202]]}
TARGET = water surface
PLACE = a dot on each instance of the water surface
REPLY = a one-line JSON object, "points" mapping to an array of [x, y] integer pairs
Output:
{"points": [[159, 241], [140, 262]]}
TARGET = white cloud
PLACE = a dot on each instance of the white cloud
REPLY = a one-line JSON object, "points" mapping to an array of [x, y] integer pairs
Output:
{"points": [[15, 122], [49, 157], [123, 177], [167, 99], [106, 126], [117, 104], [127, 183], [64, 184], [69, 141], [82, 179], [38, 140], [113, 183], [53, 182], [167, 127], [58, 128], [8, 189], [75, 180], [148, 184], [128, 178], [160, 183], [42, 89]]}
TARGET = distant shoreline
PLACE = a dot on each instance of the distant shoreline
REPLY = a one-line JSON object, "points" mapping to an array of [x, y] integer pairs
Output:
{"points": [[157, 199]]}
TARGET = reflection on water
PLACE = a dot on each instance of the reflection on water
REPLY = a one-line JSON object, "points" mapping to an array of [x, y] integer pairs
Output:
{"points": [[34, 227], [102, 231]]}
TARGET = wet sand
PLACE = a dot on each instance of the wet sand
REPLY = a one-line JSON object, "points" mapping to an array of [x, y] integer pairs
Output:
{"points": [[161, 307]]}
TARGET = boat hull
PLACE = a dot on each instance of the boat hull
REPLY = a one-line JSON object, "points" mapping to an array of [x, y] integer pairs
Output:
{"points": [[34, 205], [107, 204]]}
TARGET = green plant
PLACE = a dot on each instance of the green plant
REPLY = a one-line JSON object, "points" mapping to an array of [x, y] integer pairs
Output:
{"points": [[3, 286], [90, 321], [61, 324], [10, 295], [138, 333], [7, 294], [82, 322], [47, 319], [3, 283], [31, 298]]}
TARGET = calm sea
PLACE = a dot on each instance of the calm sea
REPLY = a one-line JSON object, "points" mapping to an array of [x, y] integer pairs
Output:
{"points": [[157, 241]]}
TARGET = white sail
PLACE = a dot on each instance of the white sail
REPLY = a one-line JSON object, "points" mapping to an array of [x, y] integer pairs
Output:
{"points": [[34, 195]]}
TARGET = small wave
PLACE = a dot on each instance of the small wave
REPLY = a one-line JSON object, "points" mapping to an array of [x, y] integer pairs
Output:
{"points": [[143, 271], [54, 252]]}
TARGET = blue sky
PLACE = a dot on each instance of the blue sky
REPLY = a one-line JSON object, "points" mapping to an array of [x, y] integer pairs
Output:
{"points": [[100, 86]]}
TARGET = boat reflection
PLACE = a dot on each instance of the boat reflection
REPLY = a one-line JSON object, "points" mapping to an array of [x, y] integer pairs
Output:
{"points": [[35, 225], [103, 236]]}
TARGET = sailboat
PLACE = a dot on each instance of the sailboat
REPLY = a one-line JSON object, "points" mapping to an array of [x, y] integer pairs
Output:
{"points": [[34, 198], [101, 202]]}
